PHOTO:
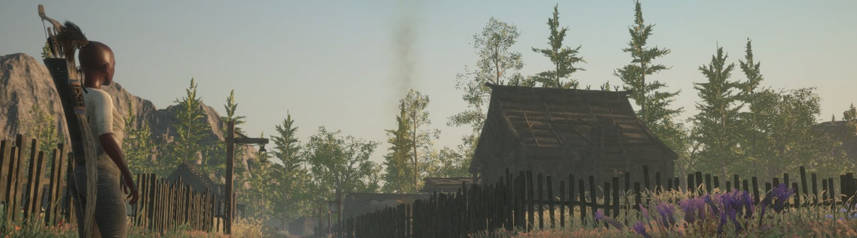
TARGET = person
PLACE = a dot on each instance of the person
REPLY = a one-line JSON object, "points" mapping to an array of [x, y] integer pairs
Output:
{"points": [[106, 123]]}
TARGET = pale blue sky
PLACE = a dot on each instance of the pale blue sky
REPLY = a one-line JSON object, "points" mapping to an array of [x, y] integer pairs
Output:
{"points": [[336, 63]]}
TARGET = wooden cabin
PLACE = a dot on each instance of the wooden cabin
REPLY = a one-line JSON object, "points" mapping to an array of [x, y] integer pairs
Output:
{"points": [[566, 131]]}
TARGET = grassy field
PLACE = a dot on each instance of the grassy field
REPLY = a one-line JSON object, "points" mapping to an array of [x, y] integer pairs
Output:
{"points": [[243, 228], [718, 214]]}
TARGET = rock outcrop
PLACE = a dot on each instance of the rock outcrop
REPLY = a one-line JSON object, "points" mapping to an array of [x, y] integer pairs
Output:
{"points": [[25, 81]]}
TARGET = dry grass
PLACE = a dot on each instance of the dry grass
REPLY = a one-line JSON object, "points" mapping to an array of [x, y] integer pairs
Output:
{"points": [[807, 221]]}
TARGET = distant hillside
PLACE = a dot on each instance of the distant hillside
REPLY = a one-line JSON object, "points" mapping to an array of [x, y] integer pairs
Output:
{"points": [[25, 80]]}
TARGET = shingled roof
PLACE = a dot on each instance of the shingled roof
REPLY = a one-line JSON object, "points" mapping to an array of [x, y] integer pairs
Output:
{"points": [[445, 185], [545, 118], [192, 176]]}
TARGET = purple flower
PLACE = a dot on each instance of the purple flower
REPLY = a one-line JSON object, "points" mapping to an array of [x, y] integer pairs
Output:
{"points": [[781, 194], [641, 229], [666, 212], [599, 215], [694, 209], [645, 211], [829, 216]]}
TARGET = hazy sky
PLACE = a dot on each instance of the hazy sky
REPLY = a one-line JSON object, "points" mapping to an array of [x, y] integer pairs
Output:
{"points": [[345, 64]]}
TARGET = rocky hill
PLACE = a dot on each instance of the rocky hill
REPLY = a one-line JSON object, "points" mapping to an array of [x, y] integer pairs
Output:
{"points": [[25, 81]]}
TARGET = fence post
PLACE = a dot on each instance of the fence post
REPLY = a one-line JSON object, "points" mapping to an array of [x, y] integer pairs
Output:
{"points": [[607, 199], [615, 197], [530, 212], [562, 202], [646, 177], [658, 186], [592, 192], [571, 199], [717, 182], [582, 202], [708, 186], [814, 190], [54, 186], [540, 202]]}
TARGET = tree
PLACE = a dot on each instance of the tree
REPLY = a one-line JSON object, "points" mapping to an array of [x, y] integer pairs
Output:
{"points": [[650, 96], [494, 66], [396, 169], [137, 144], [340, 165], [230, 107], [448, 163], [292, 197], [497, 64], [415, 105], [562, 58], [261, 191], [44, 127], [191, 127], [785, 120], [717, 122], [751, 130], [850, 114]]}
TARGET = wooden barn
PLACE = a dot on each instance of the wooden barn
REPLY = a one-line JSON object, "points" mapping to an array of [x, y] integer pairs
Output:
{"points": [[563, 131]]}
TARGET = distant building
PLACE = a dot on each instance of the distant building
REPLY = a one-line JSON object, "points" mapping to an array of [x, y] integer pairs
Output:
{"points": [[199, 182], [445, 185], [357, 204], [563, 131]]}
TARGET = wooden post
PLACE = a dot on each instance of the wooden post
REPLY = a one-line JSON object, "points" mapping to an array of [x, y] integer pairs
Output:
{"points": [[530, 216], [592, 191], [717, 182], [571, 199], [550, 202], [540, 202], [708, 186], [230, 160], [582, 202], [658, 186], [562, 200], [646, 177], [607, 193], [615, 197], [755, 190], [54, 187], [814, 189], [30, 190]]}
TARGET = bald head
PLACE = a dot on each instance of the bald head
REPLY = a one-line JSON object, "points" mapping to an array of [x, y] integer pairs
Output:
{"points": [[97, 62]]}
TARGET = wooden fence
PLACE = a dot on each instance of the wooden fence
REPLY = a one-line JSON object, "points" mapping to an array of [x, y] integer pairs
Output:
{"points": [[24, 190], [28, 189], [164, 205], [517, 202]]}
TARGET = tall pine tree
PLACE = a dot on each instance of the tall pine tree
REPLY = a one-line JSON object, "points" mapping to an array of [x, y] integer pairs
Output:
{"points": [[751, 95], [563, 58], [650, 95], [190, 127], [292, 198], [716, 125], [397, 172]]}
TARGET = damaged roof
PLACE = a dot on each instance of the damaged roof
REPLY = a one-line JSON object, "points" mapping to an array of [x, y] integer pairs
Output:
{"points": [[562, 118]]}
